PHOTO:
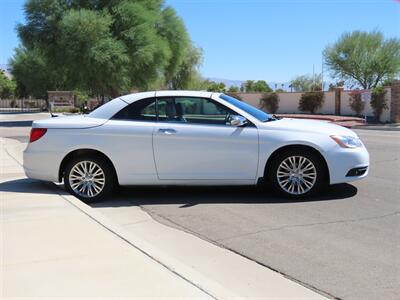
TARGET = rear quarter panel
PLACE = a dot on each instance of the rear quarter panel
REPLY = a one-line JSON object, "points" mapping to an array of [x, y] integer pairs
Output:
{"points": [[127, 145]]}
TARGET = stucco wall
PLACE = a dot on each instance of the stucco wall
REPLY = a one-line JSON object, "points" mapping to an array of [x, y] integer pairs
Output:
{"points": [[347, 111], [395, 101], [289, 102]]}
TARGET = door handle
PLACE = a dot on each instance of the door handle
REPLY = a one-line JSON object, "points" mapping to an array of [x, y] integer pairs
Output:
{"points": [[167, 131]]}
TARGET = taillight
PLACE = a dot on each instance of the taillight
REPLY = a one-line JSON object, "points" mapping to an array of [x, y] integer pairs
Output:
{"points": [[37, 133]]}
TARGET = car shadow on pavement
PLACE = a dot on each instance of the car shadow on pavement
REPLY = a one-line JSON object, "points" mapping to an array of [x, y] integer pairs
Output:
{"points": [[185, 196], [26, 185], [190, 196]]}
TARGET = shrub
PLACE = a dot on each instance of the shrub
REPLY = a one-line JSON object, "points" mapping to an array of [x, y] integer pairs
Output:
{"points": [[29, 103], [270, 102], [356, 103], [81, 98], [66, 110], [311, 101], [378, 102], [74, 110], [234, 95]]}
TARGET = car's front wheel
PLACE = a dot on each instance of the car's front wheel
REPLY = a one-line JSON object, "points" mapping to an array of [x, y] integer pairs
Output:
{"points": [[297, 173], [89, 178]]}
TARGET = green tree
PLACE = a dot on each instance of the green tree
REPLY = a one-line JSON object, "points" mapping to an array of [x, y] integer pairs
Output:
{"points": [[364, 59], [307, 83], [233, 89], [7, 86], [338, 84], [92, 58], [139, 28], [261, 86], [81, 97], [188, 76], [249, 86], [213, 86], [103, 47], [182, 54], [33, 75]]}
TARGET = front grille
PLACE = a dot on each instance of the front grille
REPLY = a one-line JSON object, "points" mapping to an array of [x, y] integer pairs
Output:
{"points": [[357, 171]]}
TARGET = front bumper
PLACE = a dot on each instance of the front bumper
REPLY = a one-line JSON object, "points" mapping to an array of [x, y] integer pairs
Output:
{"points": [[342, 164]]}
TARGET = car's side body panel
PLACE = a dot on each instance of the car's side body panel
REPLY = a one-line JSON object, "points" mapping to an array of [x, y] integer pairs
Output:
{"points": [[205, 152], [129, 146]]}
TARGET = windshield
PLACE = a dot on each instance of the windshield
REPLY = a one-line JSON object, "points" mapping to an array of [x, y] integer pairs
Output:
{"points": [[255, 112]]}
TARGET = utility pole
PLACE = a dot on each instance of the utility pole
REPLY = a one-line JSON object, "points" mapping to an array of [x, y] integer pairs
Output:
{"points": [[322, 73], [313, 78]]}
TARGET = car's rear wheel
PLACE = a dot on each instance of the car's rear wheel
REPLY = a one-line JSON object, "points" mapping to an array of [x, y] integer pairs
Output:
{"points": [[297, 173], [89, 178]]}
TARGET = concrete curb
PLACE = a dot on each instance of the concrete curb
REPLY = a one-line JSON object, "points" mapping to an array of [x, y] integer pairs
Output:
{"points": [[379, 128], [211, 288]]}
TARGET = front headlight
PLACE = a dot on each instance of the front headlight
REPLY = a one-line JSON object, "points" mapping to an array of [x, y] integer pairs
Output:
{"points": [[347, 141]]}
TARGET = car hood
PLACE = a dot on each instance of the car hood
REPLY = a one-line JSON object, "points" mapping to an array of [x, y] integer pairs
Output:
{"points": [[311, 126], [72, 122]]}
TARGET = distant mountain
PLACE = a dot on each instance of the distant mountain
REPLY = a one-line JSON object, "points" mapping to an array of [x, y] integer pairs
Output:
{"points": [[238, 83], [227, 82], [6, 69]]}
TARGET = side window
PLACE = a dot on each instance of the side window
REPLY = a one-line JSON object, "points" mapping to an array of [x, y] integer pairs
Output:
{"points": [[193, 110], [141, 110], [166, 109]]}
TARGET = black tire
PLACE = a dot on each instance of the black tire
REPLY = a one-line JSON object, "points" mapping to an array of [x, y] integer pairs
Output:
{"points": [[320, 169], [104, 165]]}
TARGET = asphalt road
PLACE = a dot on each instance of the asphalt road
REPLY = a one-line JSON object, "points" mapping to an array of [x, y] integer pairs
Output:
{"points": [[345, 243]]}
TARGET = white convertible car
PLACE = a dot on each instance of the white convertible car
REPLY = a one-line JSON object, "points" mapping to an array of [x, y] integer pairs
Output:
{"points": [[190, 138]]}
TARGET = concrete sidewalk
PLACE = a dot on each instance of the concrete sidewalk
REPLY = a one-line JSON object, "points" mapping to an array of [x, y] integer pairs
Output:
{"points": [[53, 245]]}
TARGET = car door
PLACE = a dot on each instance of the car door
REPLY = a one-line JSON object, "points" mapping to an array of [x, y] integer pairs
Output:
{"points": [[193, 140], [128, 138]]}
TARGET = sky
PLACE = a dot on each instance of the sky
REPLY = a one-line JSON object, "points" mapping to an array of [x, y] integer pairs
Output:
{"points": [[273, 40]]}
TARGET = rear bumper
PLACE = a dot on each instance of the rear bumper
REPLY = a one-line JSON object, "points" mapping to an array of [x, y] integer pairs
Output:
{"points": [[342, 164], [41, 165]]}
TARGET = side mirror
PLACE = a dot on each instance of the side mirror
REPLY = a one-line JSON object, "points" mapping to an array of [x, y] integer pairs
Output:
{"points": [[238, 121]]}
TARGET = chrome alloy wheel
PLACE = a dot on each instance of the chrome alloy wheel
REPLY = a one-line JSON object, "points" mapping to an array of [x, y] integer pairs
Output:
{"points": [[87, 179], [296, 175]]}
